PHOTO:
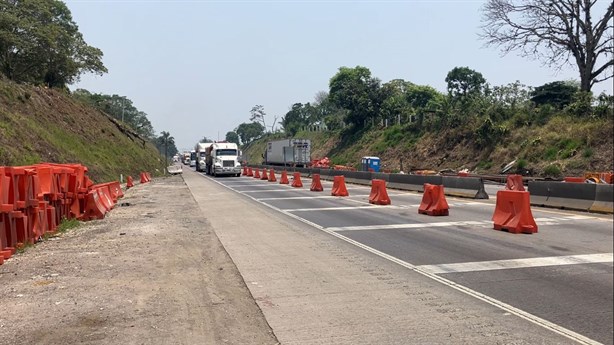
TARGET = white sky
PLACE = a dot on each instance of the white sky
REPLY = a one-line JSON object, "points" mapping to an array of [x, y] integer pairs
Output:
{"points": [[198, 67]]}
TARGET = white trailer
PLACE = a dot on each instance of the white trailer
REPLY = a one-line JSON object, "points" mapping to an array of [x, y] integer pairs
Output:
{"points": [[294, 152], [201, 156]]}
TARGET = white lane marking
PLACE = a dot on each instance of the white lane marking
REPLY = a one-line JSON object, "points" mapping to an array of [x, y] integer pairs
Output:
{"points": [[579, 338], [405, 226], [267, 190], [518, 263], [302, 197], [331, 208]]}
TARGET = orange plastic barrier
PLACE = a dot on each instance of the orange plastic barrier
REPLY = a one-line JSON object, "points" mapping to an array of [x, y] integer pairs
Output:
{"points": [[316, 184], [339, 188], [272, 175], [514, 182], [284, 178], [129, 182], [250, 173], [145, 177], [571, 179], [296, 180], [379, 195], [94, 209], [433, 201], [513, 212], [244, 171], [256, 173], [264, 175]]}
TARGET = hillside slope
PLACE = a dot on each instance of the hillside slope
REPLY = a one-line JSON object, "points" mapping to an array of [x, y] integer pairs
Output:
{"points": [[47, 125], [563, 146]]}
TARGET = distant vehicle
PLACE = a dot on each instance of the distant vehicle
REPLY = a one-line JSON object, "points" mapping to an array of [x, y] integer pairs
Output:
{"points": [[193, 158], [201, 156], [222, 158], [186, 158], [293, 152]]}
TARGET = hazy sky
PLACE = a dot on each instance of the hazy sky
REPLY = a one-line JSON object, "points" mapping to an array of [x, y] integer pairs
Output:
{"points": [[198, 67]]}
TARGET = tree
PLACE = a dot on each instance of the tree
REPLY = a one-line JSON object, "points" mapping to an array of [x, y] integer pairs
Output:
{"points": [[232, 137], [40, 43], [249, 131], [258, 114], [554, 31], [205, 140], [299, 116], [357, 91], [165, 144], [463, 81], [558, 94]]}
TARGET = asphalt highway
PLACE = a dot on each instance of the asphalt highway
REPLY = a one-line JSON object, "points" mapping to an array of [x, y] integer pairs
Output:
{"points": [[560, 278]]}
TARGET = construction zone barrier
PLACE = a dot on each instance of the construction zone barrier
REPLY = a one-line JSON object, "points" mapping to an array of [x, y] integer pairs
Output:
{"points": [[466, 187], [250, 173], [272, 175], [573, 179], [264, 175], [284, 178], [434, 201], [129, 182], [316, 184], [35, 199], [256, 173], [413, 182], [514, 182], [604, 198], [573, 196], [339, 188], [296, 180], [145, 177], [513, 212], [244, 173], [379, 195]]}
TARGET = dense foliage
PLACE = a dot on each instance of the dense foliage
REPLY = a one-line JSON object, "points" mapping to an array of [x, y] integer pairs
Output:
{"points": [[41, 44]]}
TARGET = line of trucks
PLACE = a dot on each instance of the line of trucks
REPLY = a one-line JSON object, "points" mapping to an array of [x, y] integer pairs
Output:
{"points": [[224, 158]]}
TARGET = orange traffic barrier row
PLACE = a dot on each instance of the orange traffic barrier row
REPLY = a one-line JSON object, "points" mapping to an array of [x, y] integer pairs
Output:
{"points": [[264, 175], [434, 201], [145, 177], [256, 174], [35, 199]]}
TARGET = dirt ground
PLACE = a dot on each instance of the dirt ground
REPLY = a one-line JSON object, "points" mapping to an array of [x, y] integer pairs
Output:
{"points": [[152, 272]]}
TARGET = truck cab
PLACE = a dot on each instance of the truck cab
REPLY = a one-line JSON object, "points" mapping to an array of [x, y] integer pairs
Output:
{"points": [[223, 158]]}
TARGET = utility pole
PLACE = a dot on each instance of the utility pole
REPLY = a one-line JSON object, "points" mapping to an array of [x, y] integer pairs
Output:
{"points": [[165, 153]]}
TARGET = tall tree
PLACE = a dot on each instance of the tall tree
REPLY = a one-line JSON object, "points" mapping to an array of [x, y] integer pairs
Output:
{"points": [[232, 137], [554, 31], [463, 81], [249, 131], [357, 91], [258, 114], [40, 43], [165, 144]]}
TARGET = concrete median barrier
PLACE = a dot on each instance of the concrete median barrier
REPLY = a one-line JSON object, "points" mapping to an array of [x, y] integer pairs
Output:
{"points": [[413, 182], [604, 199], [573, 196], [467, 187], [358, 177]]}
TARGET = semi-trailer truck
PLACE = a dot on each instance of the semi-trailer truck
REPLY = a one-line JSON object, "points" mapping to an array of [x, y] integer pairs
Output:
{"points": [[222, 158], [201, 156]]}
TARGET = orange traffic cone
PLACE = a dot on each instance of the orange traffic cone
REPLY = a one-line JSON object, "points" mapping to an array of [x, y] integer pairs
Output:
{"points": [[264, 175], [256, 173], [129, 182]]}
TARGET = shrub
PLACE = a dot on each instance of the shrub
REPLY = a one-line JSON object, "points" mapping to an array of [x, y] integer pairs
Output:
{"points": [[587, 153], [552, 170], [550, 154]]}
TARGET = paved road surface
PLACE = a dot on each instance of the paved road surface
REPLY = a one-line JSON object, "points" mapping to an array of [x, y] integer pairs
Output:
{"points": [[336, 270]]}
